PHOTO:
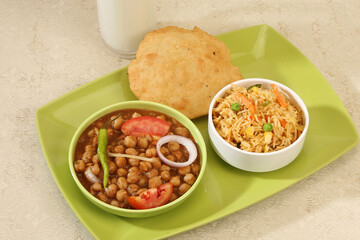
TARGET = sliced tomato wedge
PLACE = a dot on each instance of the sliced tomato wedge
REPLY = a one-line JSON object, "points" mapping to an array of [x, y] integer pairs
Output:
{"points": [[154, 197], [141, 126]]}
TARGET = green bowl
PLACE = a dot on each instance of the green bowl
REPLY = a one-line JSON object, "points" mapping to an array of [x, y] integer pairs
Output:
{"points": [[134, 213]]}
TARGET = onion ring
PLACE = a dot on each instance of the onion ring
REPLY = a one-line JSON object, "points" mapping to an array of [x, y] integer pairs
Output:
{"points": [[189, 145], [90, 176]]}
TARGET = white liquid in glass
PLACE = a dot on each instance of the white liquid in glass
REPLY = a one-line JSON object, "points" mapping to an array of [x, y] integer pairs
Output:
{"points": [[124, 23]]}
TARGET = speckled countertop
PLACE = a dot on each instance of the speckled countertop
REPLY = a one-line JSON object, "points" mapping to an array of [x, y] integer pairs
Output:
{"points": [[49, 47]]}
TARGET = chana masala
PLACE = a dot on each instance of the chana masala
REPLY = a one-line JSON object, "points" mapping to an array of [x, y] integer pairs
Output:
{"points": [[131, 170]]}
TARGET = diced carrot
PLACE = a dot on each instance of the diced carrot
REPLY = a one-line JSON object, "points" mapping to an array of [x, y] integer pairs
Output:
{"points": [[278, 96], [244, 100], [283, 122]]}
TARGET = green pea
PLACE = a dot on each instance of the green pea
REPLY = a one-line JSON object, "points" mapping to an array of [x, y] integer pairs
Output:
{"points": [[267, 127], [235, 106], [256, 85]]}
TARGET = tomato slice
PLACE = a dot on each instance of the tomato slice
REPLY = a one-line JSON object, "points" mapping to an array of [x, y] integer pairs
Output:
{"points": [[141, 126], [153, 197]]}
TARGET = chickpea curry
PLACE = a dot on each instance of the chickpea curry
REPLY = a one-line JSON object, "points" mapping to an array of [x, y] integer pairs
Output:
{"points": [[136, 159]]}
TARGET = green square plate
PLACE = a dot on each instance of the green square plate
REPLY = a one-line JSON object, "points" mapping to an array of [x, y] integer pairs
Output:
{"points": [[258, 51]]}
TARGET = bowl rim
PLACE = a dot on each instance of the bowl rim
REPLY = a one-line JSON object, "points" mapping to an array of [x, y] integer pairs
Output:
{"points": [[288, 90], [147, 105]]}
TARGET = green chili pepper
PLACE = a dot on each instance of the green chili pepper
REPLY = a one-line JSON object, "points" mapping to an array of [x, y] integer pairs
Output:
{"points": [[256, 85], [101, 150], [267, 127], [266, 103], [235, 106]]}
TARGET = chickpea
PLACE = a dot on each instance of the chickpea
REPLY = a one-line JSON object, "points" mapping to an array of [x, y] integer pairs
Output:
{"points": [[141, 190], [155, 138], [155, 182], [142, 142], [156, 162], [151, 152], [135, 115], [112, 167], [132, 189], [171, 158], [120, 162], [173, 197], [87, 156], [95, 159], [174, 121], [121, 195], [134, 162], [148, 138], [125, 204], [165, 175], [99, 125], [95, 169], [142, 154], [130, 141], [113, 180], [164, 151], [110, 132], [182, 131], [184, 188], [121, 137], [91, 133], [121, 142], [96, 187], [122, 183], [177, 154], [133, 177], [175, 181], [92, 192], [184, 170], [90, 148], [195, 168], [79, 166], [121, 172], [113, 144], [119, 149], [94, 141], [189, 178], [143, 181], [164, 167], [162, 117], [117, 122], [115, 203], [111, 190], [173, 146], [102, 196], [131, 151], [145, 166], [152, 173], [135, 170], [82, 139]]}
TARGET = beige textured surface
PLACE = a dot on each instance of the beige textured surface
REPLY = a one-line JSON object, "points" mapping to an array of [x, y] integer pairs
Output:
{"points": [[49, 47]]}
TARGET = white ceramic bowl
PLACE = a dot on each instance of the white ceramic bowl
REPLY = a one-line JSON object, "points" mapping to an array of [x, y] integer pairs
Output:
{"points": [[257, 162]]}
